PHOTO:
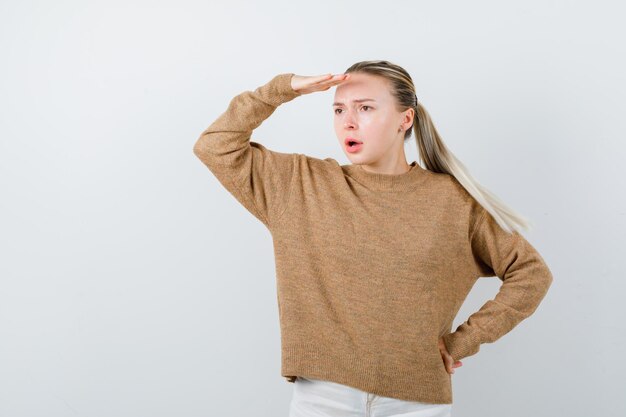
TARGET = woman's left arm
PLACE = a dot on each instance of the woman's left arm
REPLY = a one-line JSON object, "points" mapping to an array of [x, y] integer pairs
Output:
{"points": [[525, 282]]}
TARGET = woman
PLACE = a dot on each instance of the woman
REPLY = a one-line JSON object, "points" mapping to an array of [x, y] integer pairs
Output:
{"points": [[374, 258]]}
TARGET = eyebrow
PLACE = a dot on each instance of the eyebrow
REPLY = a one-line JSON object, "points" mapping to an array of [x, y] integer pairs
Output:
{"points": [[360, 100]]}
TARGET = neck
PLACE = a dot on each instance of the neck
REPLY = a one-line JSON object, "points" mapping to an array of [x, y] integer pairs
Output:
{"points": [[381, 181]]}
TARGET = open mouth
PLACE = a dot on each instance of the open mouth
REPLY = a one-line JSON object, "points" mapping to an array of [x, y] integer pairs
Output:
{"points": [[353, 144]]}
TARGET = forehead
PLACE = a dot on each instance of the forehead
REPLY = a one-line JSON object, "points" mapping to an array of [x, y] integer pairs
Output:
{"points": [[362, 86]]}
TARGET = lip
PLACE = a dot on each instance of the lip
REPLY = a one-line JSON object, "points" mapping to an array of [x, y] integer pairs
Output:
{"points": [[355, 148], [349, 139]]}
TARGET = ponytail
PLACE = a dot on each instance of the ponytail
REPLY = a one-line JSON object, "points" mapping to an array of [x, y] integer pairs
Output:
{"points": [[433, 152], [437, 157]]}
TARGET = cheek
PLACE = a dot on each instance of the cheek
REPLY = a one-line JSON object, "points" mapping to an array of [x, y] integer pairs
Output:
{"points": [[376, 126], [384, 134], [338, 122]]}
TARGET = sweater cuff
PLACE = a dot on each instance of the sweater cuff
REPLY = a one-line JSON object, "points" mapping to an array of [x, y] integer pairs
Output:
{"points": [[280, 90], [461, 345]]}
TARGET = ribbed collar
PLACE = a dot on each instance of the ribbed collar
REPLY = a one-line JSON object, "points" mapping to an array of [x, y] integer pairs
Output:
{"points": [[387, 182]]}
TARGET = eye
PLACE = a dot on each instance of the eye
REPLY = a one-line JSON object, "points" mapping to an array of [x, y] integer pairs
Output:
{"points": [[336, 110]]}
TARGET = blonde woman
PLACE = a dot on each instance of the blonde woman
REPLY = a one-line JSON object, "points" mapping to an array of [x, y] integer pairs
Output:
{"points": [[374, 258]]}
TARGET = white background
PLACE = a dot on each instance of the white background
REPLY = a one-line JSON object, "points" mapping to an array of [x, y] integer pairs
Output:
{"points": [[133, 284]]}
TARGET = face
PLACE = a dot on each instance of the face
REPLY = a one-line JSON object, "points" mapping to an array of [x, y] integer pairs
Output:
{"points": [[364, 110]]}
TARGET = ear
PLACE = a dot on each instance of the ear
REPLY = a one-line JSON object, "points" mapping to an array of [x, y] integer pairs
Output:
{"points": [[407, 118]]}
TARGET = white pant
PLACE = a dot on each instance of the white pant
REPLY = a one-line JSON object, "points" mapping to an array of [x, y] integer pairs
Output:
{"points": [[318, 398]]}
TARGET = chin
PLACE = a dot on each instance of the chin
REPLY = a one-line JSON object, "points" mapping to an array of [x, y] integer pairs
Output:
{"points": [[359, 157], [355, 159]]}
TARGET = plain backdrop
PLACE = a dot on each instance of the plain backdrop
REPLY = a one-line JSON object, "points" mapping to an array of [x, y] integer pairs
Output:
{"points": [[133, 284]]}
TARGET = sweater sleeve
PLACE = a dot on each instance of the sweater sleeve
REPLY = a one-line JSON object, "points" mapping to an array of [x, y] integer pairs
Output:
{"points": [[525, 281], [256, 176]]}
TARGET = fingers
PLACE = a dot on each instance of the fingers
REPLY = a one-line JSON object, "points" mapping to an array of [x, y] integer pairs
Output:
{"points": [[449, 364], [323, 77], [448, 360], [309, 84], [454, 364], [330, 79], [334, 80], [329, 76]]}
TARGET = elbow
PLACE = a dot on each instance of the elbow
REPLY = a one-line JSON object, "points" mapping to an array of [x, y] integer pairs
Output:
{"points": [[548, 279], [545, 282], [197, 147], [200, 148], [544, 276], [205, 152]]}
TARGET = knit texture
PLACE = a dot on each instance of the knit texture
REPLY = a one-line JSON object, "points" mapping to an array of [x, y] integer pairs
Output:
{"points": [[371, 268]]}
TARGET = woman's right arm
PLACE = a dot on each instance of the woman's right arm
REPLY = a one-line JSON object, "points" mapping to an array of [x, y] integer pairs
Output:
{"points": [[257, 177]]}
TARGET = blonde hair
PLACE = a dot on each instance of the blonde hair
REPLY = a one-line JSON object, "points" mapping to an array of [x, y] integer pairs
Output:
{"points": [[433, 153]]}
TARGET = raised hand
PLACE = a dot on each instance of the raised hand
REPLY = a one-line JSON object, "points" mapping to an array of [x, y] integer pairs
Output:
{"points": [[305, 84]]}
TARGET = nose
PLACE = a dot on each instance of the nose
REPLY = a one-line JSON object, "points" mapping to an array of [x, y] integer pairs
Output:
{"points": [[349, 121]]}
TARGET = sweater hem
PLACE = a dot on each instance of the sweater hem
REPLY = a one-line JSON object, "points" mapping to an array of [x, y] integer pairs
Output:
{"points": [[368, 374]]}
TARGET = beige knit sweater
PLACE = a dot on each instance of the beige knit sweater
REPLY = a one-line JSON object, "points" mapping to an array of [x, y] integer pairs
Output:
{"points": [[371, 268]]}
